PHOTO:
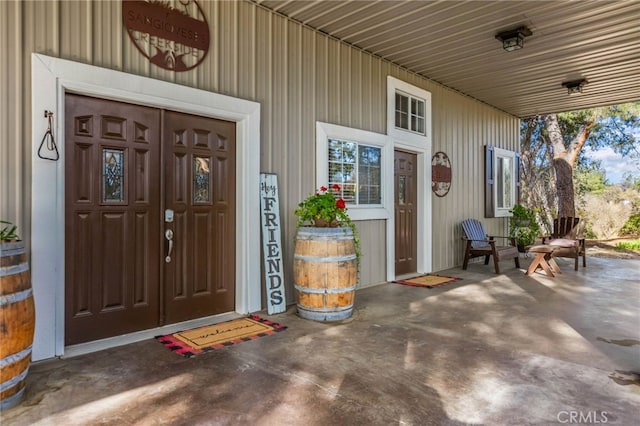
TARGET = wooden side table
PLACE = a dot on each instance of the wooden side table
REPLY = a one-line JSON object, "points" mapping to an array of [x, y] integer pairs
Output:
{"points": [[543, 259]]}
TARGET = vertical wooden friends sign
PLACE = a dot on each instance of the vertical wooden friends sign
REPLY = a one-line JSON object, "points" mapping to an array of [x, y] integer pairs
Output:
{"points": [[271, 243]]}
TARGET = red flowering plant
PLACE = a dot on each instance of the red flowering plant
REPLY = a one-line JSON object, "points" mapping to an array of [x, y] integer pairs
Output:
{"points": [[323, 209]]}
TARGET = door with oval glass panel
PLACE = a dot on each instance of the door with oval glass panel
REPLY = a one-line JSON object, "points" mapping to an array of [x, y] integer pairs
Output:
{"points": [[119, 274]]}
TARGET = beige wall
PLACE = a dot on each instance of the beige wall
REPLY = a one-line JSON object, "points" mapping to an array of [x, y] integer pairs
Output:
{"points": [[298, 76]]}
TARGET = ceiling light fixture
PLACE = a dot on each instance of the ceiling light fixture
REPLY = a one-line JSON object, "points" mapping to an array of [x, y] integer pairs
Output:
{"points": [[513, 39], [574, 86]]}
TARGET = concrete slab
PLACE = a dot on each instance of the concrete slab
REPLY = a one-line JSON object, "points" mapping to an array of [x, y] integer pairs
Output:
{"points": [[488, 349]]}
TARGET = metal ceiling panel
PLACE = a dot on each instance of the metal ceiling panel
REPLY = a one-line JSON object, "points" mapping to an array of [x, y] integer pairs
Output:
{"points": [[453, 43]]}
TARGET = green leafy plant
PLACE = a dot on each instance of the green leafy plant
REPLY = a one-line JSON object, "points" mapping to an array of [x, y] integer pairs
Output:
{"points": [[631, 226], [8, 231], [323, 209], [523, 225], [629, 245]]}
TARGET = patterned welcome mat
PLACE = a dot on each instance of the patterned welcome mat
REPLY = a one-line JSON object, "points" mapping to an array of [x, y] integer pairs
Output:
{"points": [[428, 281], [204, 339]]}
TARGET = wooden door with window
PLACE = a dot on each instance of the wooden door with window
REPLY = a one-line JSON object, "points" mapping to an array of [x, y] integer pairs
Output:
{"points": [[120, 276], [200, 190], [112, 199], [405, 196]]}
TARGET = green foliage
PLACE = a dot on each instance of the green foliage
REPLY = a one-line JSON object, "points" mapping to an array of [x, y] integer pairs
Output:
{"points": [[523, 225], [629, 245], [613, 126], [589, 179], [631, 226], [8, 231], [323, 209]]}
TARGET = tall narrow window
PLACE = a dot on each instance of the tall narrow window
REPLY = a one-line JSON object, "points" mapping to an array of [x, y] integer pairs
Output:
{"points": [[502, 181], [410, 113]]}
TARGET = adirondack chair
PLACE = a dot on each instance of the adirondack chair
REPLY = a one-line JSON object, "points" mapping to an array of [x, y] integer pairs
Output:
{"points": [[478, 243], [568, 234]]}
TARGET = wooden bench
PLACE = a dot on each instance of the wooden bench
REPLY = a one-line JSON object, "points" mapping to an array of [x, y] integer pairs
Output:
{"points": [[543, 259]]}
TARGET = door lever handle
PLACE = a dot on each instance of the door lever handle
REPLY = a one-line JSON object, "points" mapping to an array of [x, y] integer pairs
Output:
{"points": [[169, 236]]}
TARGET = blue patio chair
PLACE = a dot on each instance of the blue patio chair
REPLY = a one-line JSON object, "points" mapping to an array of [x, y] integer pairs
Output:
{"points": [[481, 244]]}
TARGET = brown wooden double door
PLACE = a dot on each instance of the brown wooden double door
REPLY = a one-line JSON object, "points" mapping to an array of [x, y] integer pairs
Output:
{"points": [[134, 175]]}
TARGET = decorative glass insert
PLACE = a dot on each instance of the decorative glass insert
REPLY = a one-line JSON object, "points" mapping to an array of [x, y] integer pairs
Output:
{"points": [[402, 190], [201, 180], [357, 170], [410, 113], [112, 175]]}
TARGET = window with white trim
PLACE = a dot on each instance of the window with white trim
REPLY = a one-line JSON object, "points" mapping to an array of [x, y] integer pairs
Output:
{"points": [[356, 168], [358, 161], [410, 113], [502, 181]]}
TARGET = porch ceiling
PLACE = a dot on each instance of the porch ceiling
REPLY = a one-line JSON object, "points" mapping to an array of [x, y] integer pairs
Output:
{"points": [[453, 43]]}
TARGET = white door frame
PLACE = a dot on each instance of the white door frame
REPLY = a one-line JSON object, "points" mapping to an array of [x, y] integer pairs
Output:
{"points": [[51, 79], [421, 146]]}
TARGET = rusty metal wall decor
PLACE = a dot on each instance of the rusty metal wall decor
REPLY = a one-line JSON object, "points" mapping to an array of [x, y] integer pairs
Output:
{"points": [[175, 37], [440, 174]]}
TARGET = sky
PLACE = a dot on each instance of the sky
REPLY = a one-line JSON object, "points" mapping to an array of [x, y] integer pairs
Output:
{"points": [[614, 165]]}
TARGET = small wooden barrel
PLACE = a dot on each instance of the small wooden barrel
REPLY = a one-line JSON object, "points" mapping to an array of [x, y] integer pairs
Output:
{"points": [[325, 273], [17, 322]]}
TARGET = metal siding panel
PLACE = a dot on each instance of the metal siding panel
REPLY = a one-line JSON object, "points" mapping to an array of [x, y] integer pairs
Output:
{"points": [[227, 40], [373, 242], [108, 35], [298, 75], [246, 51], [12, 155], [76, 44]]}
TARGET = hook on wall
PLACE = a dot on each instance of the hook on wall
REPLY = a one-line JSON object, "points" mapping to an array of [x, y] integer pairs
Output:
{"points": [[50, 144]]}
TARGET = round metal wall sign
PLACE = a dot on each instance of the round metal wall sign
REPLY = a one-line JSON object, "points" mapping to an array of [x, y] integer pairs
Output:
{"points": [[440, 174], [174, 37]]}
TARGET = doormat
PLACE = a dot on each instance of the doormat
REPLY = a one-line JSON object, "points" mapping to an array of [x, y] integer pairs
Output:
{"points": [[428, 281], [204, 339]]}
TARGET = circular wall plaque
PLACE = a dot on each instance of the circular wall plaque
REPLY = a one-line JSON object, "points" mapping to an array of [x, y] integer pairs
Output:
{"points": [[440, 174], [173, 38]]}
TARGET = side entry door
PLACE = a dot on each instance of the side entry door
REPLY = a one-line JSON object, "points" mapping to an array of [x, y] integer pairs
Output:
{"points": [[405, 196]]}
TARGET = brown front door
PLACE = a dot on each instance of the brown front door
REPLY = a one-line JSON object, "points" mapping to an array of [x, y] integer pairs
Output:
{"points": [[405, 195], [112, 248], [116, 195], [200, 189]]}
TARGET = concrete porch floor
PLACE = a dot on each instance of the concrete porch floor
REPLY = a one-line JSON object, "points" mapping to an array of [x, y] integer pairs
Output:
{"points": [[490, 349]]}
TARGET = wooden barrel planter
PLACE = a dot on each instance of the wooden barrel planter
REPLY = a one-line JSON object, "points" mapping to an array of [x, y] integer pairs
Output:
{"points": [[325, 270], [17, 322]]}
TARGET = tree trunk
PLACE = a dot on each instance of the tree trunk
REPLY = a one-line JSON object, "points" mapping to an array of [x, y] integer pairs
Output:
{"points": [[563, 160], [564, 187]]}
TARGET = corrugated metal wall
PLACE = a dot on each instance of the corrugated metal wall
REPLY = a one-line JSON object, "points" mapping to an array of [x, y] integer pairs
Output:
{"points": [[299, 76]]}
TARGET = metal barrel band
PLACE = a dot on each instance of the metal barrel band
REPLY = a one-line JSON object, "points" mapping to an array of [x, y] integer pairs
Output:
{"points": [[324, 259], [325, 290]]}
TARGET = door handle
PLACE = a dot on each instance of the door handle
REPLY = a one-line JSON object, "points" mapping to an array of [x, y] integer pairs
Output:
{"points": [[169, 236]]}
